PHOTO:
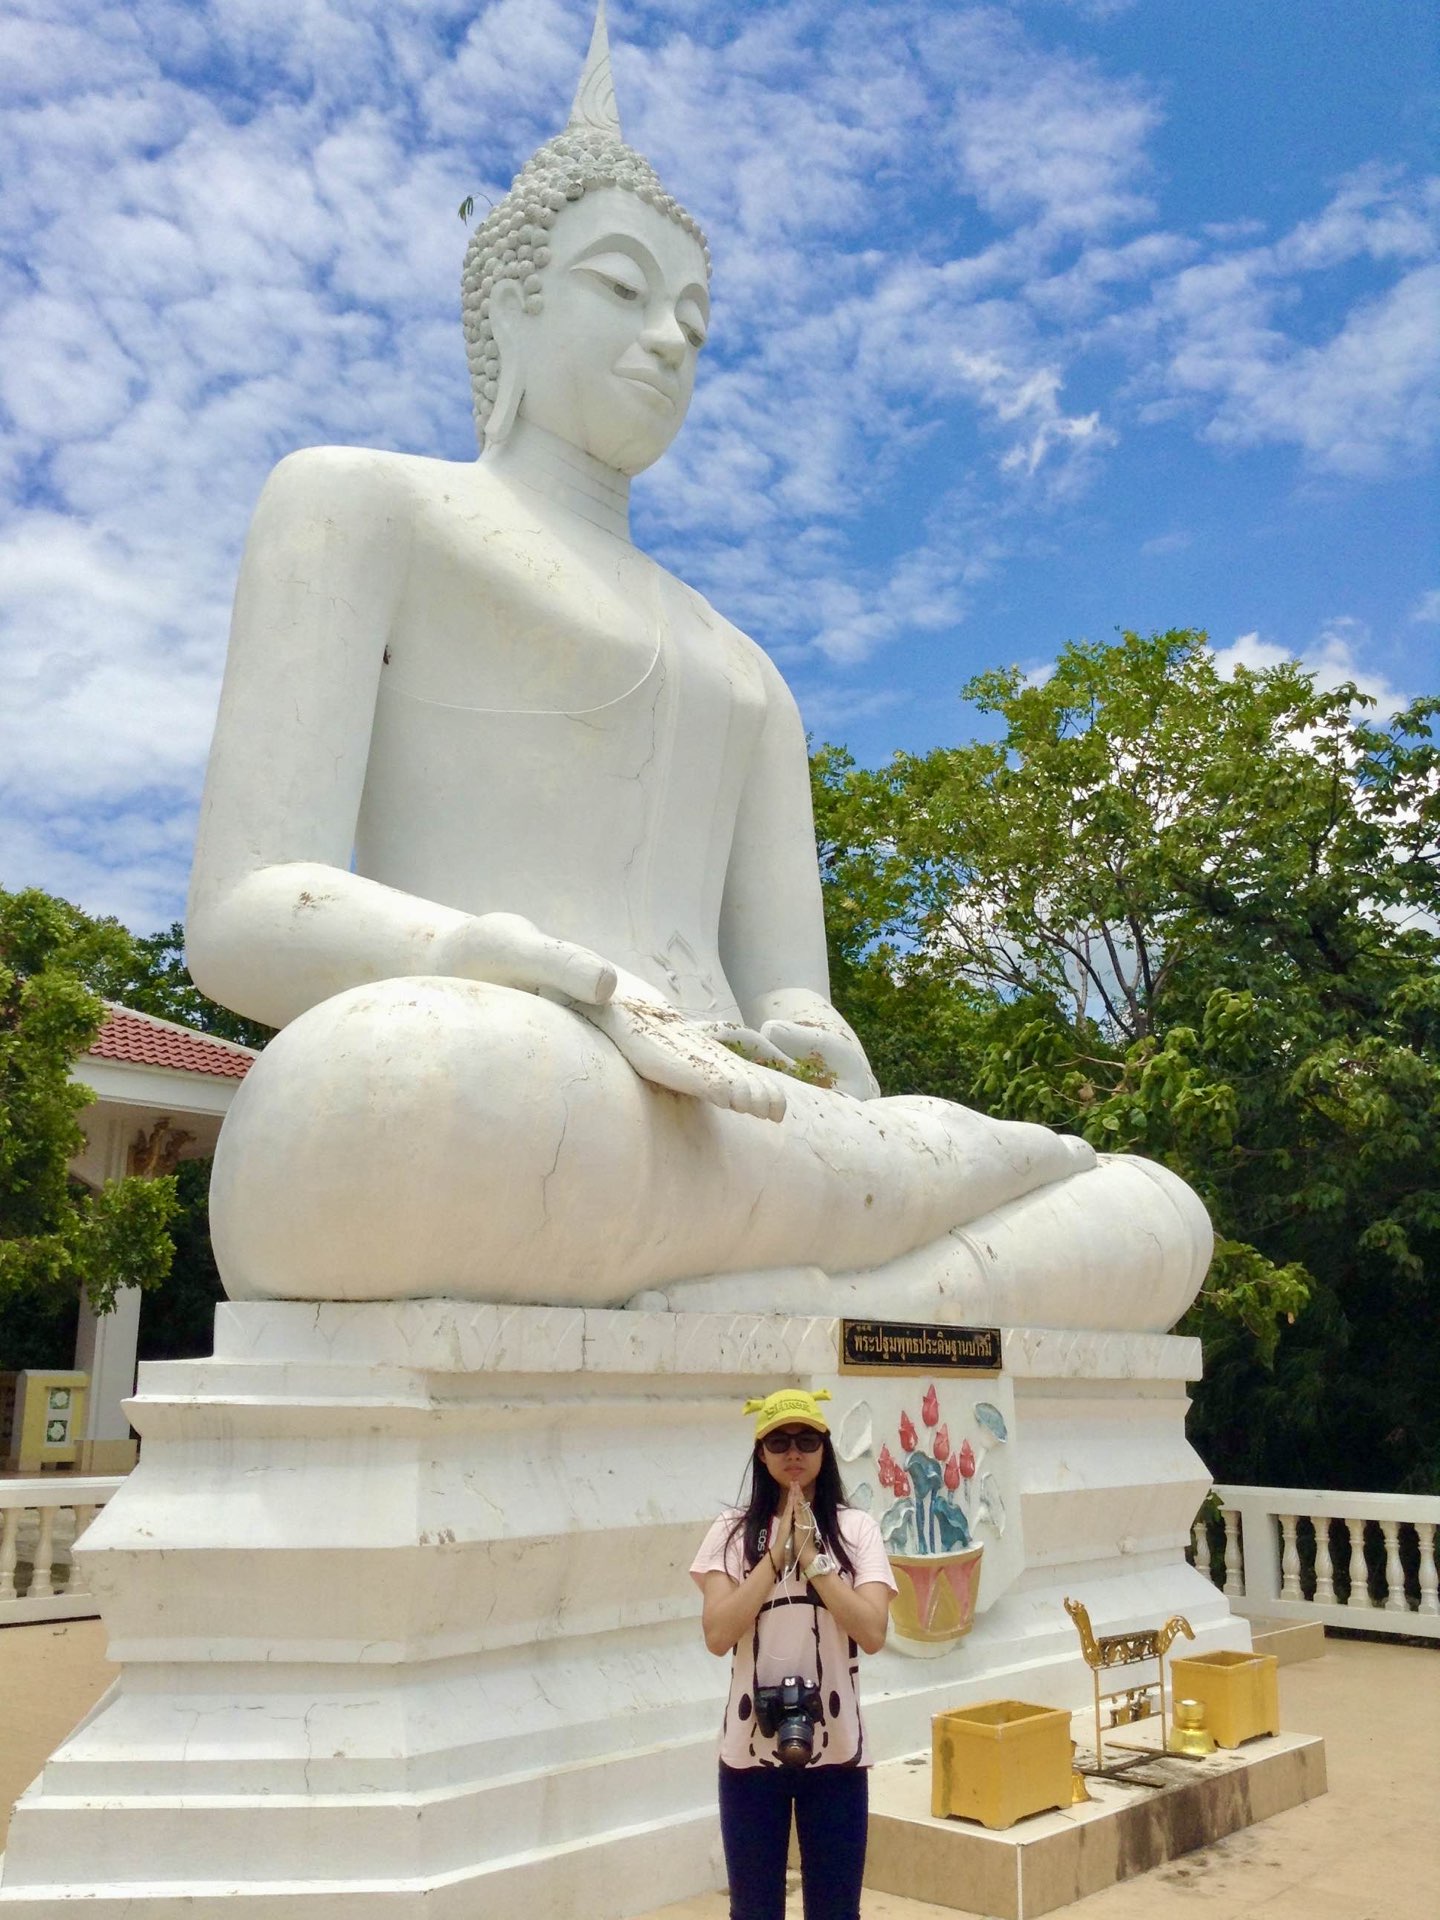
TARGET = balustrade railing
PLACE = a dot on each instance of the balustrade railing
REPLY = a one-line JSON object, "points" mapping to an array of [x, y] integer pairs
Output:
{"points": [[40, 1521], [1363, 1560]]}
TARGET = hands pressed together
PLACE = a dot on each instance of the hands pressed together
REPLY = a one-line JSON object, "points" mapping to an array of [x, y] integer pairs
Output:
{"points": [[731, 1606], [793, 1541]]}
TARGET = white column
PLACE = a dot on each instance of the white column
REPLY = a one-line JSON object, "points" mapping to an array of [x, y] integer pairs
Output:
{"points": [[105, 1347]]}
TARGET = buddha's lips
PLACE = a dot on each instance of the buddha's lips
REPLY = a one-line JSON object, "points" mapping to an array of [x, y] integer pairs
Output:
{"points": [[663, 387]]}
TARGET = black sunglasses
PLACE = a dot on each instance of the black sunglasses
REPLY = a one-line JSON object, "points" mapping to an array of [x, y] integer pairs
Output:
{"points": [[778, 1440]]}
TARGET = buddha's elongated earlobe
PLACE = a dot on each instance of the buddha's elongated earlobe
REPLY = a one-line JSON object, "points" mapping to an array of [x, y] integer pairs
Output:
{"points": [[509, 390], [505, 322]]}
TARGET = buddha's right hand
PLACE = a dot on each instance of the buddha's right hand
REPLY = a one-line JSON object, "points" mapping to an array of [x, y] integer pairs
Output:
{"points": [[670, 1051], [510, 951]]}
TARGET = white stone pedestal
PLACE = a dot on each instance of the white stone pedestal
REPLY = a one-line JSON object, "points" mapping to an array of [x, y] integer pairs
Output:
{"points": [[400, 1600]]}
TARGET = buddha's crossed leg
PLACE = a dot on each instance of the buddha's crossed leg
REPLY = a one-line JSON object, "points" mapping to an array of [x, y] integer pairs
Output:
{"points": [[438, 1136]]}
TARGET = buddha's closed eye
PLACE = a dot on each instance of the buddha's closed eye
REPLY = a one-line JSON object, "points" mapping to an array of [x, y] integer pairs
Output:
{"points": [[616, 274]]}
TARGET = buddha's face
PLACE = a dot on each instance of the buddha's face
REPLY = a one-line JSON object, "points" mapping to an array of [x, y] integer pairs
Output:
{"points": [[608, 363]]}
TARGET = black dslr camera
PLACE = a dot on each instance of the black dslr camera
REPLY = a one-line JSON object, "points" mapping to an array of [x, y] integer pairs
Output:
{"points": [[789, 1713]]}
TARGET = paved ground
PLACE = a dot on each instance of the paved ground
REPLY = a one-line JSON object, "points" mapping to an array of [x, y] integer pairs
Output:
{"points": [[1367, 1850], [50, 1677]]}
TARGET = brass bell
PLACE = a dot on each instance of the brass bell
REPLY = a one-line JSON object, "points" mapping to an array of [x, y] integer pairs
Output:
{"points": [[1188, 1733]]}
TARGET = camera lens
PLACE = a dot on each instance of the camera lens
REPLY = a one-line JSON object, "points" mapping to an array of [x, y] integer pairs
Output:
{"points": [[795, 1740]]}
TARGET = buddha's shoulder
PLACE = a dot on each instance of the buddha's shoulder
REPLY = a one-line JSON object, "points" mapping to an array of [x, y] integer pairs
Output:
{"points": [[735, 637], [364, 481]]}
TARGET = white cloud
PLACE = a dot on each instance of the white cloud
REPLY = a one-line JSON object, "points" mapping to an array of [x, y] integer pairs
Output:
{"points": [[1426, 610], [1174, 542], [1361, 399], [1332, 658], [1049, 138]]}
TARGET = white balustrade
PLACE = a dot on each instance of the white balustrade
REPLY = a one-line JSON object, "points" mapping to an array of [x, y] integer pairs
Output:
{"points": [[1290, 1588], [1263, 1574], [1234, 1554], [1200, 1546], [1324, 1565], [9, 1551], [1394, 1575], [40, 1521], [44, 1559], [1429, 1580]]}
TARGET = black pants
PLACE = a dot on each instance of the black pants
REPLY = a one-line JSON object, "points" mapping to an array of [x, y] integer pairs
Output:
{"points": [[831, 1806]]}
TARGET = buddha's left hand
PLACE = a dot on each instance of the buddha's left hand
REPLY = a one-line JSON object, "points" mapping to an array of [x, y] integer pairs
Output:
{"points": [[686, 1056], [840, 1053]]}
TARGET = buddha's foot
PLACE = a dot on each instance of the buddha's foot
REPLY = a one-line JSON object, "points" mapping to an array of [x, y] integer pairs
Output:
{"points": [[1123, 1247]]}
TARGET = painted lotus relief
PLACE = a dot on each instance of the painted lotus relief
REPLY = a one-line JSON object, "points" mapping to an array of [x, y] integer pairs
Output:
{"points": [[936, 1501]]}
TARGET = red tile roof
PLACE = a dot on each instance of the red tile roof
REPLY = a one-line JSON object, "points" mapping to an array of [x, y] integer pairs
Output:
{"points": [[140, 1040]]}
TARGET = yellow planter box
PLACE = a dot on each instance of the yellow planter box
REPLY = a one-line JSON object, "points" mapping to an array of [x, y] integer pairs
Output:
{"points": [[1240, 1693], [999, 1761]]}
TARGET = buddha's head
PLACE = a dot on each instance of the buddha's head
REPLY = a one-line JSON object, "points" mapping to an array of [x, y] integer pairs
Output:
{"points": [[585, 292]]}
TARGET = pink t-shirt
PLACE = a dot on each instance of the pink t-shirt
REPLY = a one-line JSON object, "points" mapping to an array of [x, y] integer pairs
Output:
{"points": [[796, 1635]]}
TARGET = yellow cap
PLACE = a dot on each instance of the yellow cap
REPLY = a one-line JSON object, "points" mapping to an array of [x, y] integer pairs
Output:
{"points": [[791, 1406]]}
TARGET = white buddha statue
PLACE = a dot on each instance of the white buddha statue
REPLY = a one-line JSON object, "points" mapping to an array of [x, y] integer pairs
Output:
{"points": [[510, 832]]}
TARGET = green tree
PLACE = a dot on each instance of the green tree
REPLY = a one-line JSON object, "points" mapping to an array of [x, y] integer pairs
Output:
{"points": [[53, 1233], [1190, 916], [153, 977]]}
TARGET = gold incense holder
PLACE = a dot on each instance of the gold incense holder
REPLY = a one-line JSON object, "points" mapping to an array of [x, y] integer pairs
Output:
{"points": [[1189, 1734]]}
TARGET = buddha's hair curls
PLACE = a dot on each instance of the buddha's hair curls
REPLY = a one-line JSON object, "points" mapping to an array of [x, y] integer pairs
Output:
{"points": [[511, 242]]}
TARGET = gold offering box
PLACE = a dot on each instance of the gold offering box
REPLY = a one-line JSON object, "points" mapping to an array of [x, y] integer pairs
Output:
{"points": [[1240, 1693], [999, 1761]]}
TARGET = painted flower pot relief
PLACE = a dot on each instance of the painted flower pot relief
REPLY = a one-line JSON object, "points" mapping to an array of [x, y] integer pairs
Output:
{"points": [[938, 1498], [938, 1591]]}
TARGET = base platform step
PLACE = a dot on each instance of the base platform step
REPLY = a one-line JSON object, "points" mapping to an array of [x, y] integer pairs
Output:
{"points": [[1289, 1640], [1053, 1859]]}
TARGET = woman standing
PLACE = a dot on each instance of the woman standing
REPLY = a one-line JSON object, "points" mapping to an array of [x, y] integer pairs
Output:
{"points": [[796, 1586]]}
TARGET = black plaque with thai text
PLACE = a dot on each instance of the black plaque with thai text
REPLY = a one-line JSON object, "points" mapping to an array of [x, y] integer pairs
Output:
{"points": [[898, 1346]]}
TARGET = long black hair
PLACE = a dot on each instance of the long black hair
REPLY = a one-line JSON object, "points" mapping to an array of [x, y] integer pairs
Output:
{"points": [[761, 1496]]}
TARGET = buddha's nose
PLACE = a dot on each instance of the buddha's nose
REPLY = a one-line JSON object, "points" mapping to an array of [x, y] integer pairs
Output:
{"points": [[664, 339]]}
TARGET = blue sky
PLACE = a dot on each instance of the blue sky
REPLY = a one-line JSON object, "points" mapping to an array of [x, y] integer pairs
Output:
{"points": [[1031, 321]]}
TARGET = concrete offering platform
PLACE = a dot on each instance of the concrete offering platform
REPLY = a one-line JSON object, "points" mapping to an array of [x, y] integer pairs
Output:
{"points": [[1053, 1859]]}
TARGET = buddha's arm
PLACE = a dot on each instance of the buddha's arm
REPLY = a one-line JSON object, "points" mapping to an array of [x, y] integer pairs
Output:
{"points": [[277, 921], [772, 925]]}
